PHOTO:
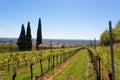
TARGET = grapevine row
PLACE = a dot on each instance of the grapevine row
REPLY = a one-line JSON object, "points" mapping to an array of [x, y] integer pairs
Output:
{"points": [[46, 59]]}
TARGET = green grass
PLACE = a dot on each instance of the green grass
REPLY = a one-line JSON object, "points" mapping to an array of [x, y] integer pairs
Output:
{"points": [[77, 69], [106, 60]]}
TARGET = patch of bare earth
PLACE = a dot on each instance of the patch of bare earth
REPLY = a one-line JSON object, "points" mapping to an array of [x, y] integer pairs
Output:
{"points": [[87, 71], [105, 73], [89, 67]]}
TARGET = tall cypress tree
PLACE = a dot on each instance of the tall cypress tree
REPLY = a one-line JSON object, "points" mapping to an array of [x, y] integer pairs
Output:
{"points": [[28, 37], [21, 40], [39, 34]]}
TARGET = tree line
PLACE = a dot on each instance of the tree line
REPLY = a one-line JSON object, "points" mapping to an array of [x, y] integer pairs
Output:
{"points": [[105, 39], [24, 41]]}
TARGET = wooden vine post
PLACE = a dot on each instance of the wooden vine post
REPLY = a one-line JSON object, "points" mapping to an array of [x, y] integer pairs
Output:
{"points": [[14, 73], [14, 68], [41, 67], [31, 70], [48, 63], [111, 50], [50, 46]]}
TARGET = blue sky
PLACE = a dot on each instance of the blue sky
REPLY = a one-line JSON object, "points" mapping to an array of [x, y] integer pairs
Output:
{"points": [[61, 19]]}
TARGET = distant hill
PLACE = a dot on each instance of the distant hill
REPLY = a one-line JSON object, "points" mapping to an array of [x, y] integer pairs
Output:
{"points": [[71, 41], [8, 39]]}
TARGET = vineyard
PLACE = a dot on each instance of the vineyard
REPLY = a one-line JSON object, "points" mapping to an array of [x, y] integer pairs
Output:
{"points": [[102, 61], [106, 60], [88, 63], [80, 68], [27, 65]]}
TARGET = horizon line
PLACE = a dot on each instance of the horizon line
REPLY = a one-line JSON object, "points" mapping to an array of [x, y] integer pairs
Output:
{"points": [[54, 38]]}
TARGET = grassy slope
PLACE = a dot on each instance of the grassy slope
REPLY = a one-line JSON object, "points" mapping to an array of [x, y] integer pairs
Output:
{"points": [[77, 69], [106, 59]]}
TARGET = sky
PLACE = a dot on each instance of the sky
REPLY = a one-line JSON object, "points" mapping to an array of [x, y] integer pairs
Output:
{"points": [[61, 19]]}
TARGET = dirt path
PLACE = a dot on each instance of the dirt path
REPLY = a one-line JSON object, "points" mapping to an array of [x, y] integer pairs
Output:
{"points": [[87, 74], [88, 65], [105, 73], [56, 70], [89, 68]]}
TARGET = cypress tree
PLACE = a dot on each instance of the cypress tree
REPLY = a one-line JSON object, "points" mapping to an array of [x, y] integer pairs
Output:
{"points": [[39, 34], [28, 37], [21, 39]]}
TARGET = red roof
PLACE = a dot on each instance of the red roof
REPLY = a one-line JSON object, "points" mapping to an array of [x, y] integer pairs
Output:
{"points": [[45, 45]]}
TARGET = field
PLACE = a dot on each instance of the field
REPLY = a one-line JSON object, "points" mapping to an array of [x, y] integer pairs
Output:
{"points": [[36, 64], [27, 65], [79, 68], [106, 60]]}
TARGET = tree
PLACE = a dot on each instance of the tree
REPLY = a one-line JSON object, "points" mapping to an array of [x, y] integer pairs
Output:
{"points": [[21, 40], [28, 37], [39, 34], [104, 38], [116, 31]]}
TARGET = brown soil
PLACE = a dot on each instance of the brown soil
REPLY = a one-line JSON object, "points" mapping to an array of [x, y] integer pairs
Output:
{"points": [[105, 72], [89, 67], [87, 74]]}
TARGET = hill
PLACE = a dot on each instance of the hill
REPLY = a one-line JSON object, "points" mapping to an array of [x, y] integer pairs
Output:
{"points": [[104, 38]]}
